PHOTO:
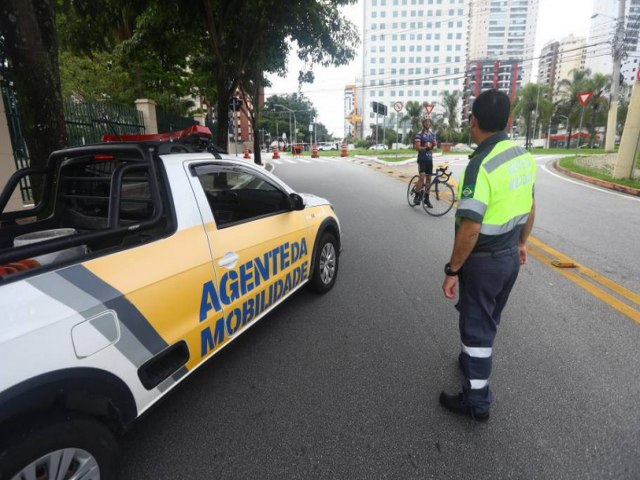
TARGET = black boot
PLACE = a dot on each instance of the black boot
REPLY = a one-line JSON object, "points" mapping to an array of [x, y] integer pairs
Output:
{"points": [[456, 404], [416, 197]]}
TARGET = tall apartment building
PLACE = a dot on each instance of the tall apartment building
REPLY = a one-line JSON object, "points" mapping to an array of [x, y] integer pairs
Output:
{"points": [[481, 75], [413, 50], [547, 64], [503, 30], [601, 33], [558, 59], [352, 116]]}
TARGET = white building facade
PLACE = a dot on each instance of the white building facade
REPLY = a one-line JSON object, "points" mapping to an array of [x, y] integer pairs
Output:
{"points": [[503, 30], [414, 50], [602, 30]]}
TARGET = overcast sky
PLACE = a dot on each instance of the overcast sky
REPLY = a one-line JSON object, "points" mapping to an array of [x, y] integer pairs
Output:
{"points": [[556, 19]]}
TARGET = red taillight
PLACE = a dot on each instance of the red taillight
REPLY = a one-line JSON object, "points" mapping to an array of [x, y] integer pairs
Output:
{"points": [[103, 158]]}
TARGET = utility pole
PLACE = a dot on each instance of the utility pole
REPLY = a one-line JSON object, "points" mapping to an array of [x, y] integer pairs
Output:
{"points": [[630, 142], [618, 52]]}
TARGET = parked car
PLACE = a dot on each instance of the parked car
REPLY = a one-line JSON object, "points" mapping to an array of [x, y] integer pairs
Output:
{"points": [[139, 262], [326, 146], [379, 146]]}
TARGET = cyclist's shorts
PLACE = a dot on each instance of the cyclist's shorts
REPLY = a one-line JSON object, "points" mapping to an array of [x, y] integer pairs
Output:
{"points": [[425, 165]]}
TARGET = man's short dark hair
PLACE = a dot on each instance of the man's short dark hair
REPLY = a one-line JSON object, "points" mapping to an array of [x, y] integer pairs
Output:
{"points": [[492, 109]]}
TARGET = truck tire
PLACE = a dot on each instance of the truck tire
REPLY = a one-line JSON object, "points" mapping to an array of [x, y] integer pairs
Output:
{"points": [[71, 446], [325, 267]]}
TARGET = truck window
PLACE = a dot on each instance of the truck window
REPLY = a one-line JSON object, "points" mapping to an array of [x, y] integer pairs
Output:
{"points": [[236, 197]]}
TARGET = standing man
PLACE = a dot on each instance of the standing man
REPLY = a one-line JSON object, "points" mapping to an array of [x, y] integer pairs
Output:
{"points": [[424, 142], [493, 220]]}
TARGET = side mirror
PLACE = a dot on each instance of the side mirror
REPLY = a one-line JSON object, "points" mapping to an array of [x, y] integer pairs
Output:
{"points": [[296, 202]]}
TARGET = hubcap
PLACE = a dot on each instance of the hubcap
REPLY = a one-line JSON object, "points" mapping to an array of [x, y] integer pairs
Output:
{"points": [[66, 464], [327, 263]]}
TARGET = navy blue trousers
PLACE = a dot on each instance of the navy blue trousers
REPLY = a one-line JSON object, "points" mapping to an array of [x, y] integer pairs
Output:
{"points": [[485, 283]]}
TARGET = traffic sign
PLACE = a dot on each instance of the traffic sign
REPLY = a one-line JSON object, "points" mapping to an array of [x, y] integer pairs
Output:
{"points": [[398, 106], [584, 97], [428, 108]]}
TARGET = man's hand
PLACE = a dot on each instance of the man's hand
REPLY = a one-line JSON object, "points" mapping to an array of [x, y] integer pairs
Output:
{"points": [[522, 252], [450, 286]]}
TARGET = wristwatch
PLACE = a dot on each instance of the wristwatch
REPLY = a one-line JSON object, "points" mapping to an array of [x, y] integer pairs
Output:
{"points": [[448, 272]]}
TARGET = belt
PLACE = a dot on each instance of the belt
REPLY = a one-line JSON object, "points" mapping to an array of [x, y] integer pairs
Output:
{"points": [[495, 253]]}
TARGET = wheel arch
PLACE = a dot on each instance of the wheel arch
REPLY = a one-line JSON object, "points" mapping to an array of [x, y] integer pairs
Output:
{"points": [[87, 391], [328, 225]]}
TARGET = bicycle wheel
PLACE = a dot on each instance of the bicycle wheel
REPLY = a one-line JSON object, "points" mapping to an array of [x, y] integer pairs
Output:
{"points": [[441, 196], [411, 193]]}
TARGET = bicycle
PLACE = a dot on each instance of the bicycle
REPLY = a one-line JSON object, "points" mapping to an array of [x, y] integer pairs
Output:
{"points": [[441, 194]]}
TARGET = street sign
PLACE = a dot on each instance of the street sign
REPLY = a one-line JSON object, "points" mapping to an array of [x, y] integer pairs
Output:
{"points": [[398, 106], [428, 108], [584, 97], [379, 108]]}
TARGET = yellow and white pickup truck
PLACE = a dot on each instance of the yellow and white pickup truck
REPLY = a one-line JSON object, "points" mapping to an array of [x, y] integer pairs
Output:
{"points": [[138, 262]]}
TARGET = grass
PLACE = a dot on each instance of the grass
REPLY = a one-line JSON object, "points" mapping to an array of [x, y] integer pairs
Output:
{"points": [[570, 151], [573, 164]]}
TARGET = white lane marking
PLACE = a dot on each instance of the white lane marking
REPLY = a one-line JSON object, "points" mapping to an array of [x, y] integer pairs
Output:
{"points": [[279, 162], [599, 189], [290, 161], [319, 160], [304, 160]]}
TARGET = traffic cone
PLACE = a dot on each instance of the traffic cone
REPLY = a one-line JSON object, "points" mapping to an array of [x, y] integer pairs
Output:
{"points": [[314, 151], [276, 154], [343, 150], [246, 153]]}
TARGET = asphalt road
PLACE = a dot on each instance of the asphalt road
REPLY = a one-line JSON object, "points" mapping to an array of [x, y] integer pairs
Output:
{"points": [[345, 385]]}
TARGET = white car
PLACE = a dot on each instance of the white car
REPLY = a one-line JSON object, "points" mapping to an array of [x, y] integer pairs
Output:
{"points": [[328, 146], [379, 146]]}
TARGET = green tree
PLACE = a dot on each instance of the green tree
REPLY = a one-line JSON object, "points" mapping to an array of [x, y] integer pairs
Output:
{"points": [[30, 45], [277, 112], [532, 105], [450, 101], [598, 84], [569, 89], [414, 114]]}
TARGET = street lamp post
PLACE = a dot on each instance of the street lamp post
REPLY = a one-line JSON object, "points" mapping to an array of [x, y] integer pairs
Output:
{"points": [[295, 122], [618, 53]]}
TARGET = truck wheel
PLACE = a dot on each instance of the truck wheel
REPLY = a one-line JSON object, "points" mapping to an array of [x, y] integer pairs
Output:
{"points": [[67, 447], [325, 268]]}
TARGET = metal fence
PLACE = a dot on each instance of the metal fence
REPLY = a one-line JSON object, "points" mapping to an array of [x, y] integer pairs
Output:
{"points": [[87, 122], [20, 155], [170, 122]]}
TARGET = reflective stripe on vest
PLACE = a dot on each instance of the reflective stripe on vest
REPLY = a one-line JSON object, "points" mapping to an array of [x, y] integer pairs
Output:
{"points": [[502, 194]]}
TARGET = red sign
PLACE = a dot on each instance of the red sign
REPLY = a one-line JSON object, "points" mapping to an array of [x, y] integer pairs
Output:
{"points": [[398, 106], [584, 97], [428, 108], [638, 75]]}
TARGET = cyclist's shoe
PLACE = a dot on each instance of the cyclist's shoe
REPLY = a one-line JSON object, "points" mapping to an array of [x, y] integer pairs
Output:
{"points": [[416, 198], [427, 202]]}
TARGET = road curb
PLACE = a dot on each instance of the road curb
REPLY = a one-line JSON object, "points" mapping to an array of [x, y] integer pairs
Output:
{"points": [[596, 181]]}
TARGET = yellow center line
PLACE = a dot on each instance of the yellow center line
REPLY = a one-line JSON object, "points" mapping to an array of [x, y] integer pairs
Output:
{"points": [[546, 254]]}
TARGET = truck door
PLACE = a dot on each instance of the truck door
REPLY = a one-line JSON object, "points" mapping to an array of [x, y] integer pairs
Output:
{"points": [[260, 247]]}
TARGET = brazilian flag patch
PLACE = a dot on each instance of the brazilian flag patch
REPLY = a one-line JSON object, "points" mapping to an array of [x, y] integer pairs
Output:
{"points": [[467, 191]]}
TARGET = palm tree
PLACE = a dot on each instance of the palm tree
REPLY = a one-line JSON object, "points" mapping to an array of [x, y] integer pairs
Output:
{"points": [[414, 115], [450, 102], [569, 89], [532, 98], [598, 104]]}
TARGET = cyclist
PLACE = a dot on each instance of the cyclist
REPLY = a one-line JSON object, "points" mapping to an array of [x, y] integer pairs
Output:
{"points": [[425, 141]]}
